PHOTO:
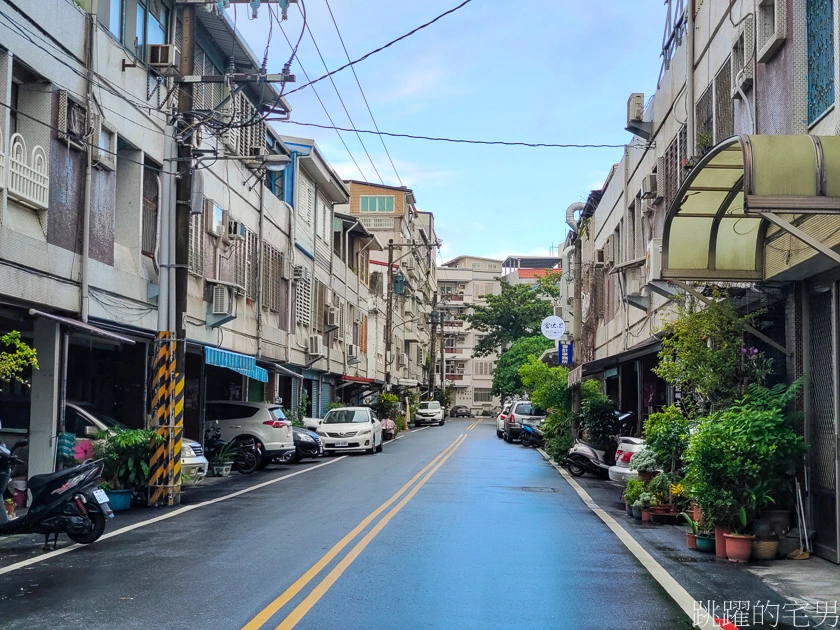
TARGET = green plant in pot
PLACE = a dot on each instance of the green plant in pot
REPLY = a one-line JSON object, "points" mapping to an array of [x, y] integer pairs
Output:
{"points": [[126, 454], [222, 462], [646, 463], [632, 491], [666, 435]]}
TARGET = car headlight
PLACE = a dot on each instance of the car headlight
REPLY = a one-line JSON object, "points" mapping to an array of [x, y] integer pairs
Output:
{"points": [[321, 433], [364, 432], [186, 451], [303, 437]]}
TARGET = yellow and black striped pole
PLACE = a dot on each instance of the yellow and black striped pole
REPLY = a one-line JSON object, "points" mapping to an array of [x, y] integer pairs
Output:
{"points": [[165, 463]]}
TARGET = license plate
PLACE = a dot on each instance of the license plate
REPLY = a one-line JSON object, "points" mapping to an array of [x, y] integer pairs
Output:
{"points": [[100, 496], [341, 443]]}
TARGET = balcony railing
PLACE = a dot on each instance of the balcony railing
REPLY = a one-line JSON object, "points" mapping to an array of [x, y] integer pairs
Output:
{"points": [[454, 351], [378, 223], [28, 178]]}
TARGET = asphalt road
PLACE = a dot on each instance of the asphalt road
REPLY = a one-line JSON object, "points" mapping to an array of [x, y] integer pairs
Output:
{"points": [[474, 533]]}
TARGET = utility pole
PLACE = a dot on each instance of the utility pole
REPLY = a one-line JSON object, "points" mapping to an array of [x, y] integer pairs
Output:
{"points": [[577, 315], [389, 316], [435, 316], [442, 362]]}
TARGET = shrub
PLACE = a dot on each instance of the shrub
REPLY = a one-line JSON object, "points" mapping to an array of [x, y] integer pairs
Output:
{"points": [[126, 454], [666, 435], [558, 433], [633, 490], [597, 417], [644, 461]]}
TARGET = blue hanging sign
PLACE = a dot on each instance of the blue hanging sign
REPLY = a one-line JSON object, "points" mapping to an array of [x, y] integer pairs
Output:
{"points": [[564, 352]]}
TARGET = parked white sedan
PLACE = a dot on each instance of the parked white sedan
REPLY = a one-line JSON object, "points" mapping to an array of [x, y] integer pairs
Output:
{"points": [[351, 429]]}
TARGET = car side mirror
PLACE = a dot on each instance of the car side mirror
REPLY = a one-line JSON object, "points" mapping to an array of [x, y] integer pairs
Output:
{"points": [[91, 432]]}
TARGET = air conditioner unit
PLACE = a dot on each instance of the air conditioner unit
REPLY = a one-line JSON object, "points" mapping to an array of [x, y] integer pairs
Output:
{"points": [[286, 268], [162, 56], [635, 107], [653, 260], [221, 300], [300, 272], [600, 258], [649, 187], [352, 352], [403, 361], [235, 230], [316, 346], [332, 316]]}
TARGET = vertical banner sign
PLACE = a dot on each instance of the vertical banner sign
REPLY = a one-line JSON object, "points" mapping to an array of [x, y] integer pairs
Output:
{"points": [[564, 352]]}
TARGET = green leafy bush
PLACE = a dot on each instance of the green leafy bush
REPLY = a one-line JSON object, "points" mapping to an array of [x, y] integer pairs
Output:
{"points": [[633, 490], [126, 454], [666, 435], [558, 433], [738, 460], [597, 418]]}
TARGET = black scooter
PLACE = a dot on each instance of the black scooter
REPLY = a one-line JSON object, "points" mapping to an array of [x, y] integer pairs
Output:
{"points": [[66, 501]]}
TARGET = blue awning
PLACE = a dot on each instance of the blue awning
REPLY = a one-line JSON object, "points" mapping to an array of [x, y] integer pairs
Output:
{"points": [[241, 363]]}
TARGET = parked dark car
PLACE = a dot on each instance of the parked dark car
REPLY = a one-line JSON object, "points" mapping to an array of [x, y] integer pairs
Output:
{"points": [[460, 411], [307, 444]]}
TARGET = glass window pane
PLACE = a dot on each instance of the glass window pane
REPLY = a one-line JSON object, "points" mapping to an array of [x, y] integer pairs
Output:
{"points": [[389, 204], [140, 34], [115, 18], [156, 30], [364, 204]]}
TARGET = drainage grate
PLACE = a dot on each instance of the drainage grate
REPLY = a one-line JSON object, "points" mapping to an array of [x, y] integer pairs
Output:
{"points": [[536, 489]]}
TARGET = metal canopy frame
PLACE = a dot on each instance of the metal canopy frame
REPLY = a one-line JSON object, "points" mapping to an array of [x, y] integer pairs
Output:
{"points": [[717, 226]]}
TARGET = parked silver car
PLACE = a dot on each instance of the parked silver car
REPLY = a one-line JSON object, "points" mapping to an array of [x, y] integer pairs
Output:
{"points": [[265, 422], [519, 411]]}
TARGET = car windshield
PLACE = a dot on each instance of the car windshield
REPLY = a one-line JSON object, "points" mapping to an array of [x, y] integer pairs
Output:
{"points": [[108, 421], [430, 405], [346, 416]]}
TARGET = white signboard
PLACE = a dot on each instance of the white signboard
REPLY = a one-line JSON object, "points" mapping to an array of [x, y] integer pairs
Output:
{"points": [[553, 327]]}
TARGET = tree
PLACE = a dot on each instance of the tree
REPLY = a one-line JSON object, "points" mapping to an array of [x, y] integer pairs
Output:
{"points": [[507, 380], [514, 314], [16, 358], [547, 386]]}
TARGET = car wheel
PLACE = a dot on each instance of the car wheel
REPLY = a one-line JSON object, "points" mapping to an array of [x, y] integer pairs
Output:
{"points": [[372, 449], [440, 424], [506, 437], [296, 457], [498, 434]]}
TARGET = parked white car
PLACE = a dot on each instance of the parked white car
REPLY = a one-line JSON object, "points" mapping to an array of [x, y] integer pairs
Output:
{"points": [[351, 429], [627, 447], [265, 422], [500, 420], [430, 412]]}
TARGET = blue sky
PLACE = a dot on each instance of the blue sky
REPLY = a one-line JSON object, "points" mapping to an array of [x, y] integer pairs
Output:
{"points": [[533, 70]]}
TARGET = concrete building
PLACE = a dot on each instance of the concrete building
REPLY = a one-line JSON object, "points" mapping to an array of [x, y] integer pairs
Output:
{"points": [[731, 190], [462, 282], [280, 297]]}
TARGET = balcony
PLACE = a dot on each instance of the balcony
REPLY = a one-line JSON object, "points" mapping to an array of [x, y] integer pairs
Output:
{"points": [[28, 178], [378, 223], [454, 350]]}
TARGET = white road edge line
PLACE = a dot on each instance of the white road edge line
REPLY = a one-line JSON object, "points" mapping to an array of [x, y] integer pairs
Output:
{"points": [[689, 605], [420, 429], [163, 517], [399, 437]]}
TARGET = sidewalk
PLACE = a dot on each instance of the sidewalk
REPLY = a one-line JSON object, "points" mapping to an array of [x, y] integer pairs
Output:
{"points": [[777, 594]]}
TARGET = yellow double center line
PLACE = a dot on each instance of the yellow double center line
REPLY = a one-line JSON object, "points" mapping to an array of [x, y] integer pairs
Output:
{"points": [[324, 585], [473, 425]]}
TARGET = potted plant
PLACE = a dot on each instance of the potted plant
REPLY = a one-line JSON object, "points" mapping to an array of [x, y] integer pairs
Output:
{"points": [[765, 545], [125, 454], [738, 543], [632, 492], [645, 462], [646, 502], [691, 536], [222, 462], [9, 504]]}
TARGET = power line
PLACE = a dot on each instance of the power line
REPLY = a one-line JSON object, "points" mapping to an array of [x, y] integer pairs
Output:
{"points": [[341, 100], [376, 126], [324, 107], [380, 49], [462, 140]]}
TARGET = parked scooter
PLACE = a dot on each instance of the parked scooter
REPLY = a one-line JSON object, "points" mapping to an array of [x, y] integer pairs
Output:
{"points": [[531, 433], [244, 453], [586, 457], [66, 501]]}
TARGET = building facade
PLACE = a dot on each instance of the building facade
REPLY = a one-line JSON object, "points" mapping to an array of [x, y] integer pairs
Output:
{"points": [[731, 193], [462, 283]]}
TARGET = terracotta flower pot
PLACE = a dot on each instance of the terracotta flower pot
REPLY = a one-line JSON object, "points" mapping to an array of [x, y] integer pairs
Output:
{"points": [[738, 547], [720, 541], [646, 515], [10, 509], [696, 514], [691, 539]]}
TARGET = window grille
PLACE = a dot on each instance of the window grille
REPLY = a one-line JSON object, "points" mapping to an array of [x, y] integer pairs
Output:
{"points": [[196, 253], [482, 395], [151, 196], [303, 300], [724, 116], [704, 117], [819, 16]]}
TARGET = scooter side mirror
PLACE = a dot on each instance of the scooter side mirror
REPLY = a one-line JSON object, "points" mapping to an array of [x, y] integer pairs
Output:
{"points": [[20, 444]]}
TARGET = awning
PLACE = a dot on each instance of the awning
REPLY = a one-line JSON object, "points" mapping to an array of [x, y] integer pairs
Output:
{"points": [[649, 346], [357, 379], [241, 363], [756, 208], [82, 326], [286, 371]]}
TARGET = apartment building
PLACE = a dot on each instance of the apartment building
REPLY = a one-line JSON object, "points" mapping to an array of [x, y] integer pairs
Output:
{"points": [[731, 191], [463, 282], [279, 298], [390, 214]]}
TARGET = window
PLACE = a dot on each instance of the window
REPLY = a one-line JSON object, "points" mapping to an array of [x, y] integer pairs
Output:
{"points": [[274, 181], [376, 203], [216, 216], [483, 368], [196, 255], [324, 221], [303, 300], [476, 265], [115, 18], [319, 304], [151, 23], [482, 395], [252, 251], [772, 28], [151, 195], [819, 17], [273, 262]]}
